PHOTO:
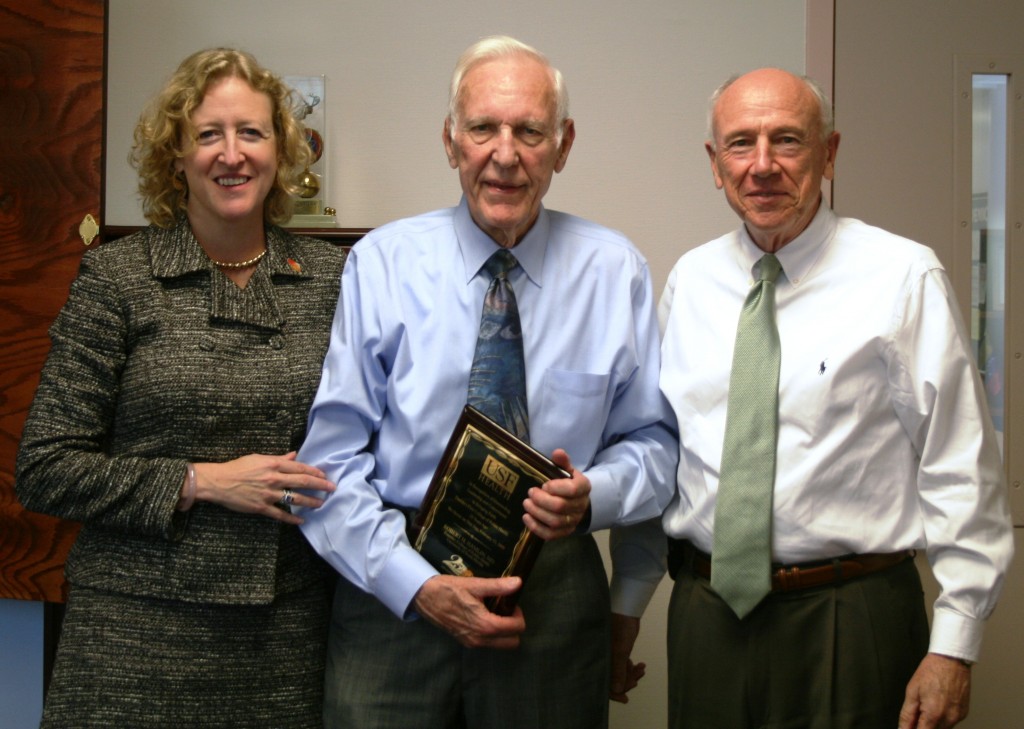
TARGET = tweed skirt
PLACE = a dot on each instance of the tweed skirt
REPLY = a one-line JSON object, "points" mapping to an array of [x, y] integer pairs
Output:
{"points": [[128, 661]]}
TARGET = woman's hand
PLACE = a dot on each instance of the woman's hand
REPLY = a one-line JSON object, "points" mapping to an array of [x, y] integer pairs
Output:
{"points": [[256, 484]]}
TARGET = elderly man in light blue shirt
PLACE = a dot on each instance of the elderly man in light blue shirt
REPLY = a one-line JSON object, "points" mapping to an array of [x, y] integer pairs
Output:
{"points": [[410, 647]]}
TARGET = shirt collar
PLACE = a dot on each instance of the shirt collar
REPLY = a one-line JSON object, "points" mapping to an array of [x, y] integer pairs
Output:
{"points": [[176, 252], [476, 246], [800, 254]]}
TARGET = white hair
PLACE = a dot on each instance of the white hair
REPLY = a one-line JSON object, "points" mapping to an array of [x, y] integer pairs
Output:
{"points": [[825, 114], [502, 46]]}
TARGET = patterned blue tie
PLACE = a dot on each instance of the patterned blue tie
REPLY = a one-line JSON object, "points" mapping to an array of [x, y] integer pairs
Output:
{"points": [[742, 542], [497, 382]]}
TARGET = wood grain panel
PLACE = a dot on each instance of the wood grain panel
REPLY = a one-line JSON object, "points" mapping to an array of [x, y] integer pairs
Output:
{"points": [[51, 131]]}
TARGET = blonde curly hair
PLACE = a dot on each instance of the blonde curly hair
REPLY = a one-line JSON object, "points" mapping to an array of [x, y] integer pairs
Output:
{"points": [[165, 134]]}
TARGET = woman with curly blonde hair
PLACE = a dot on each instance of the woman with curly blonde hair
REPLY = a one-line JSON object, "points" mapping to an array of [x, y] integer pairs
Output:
{"points": [[165, 131], [167, 419]]}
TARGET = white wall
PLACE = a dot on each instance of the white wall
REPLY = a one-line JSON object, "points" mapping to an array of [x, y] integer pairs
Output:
{"points": [[639, 74]]}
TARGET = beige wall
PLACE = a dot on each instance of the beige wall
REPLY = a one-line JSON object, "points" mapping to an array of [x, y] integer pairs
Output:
{"points": [[638, 76]]}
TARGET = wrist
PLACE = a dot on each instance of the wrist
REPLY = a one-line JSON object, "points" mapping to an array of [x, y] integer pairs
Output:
{"points": [[962, 661]]}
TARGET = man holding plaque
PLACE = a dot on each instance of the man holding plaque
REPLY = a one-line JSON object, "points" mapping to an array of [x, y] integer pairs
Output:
{"points": [[411, 345]]}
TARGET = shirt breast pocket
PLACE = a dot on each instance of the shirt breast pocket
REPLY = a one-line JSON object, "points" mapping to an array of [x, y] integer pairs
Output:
{"points": [[573, 413]]}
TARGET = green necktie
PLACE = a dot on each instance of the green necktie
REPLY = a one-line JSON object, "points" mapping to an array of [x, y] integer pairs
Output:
{"points": [[741, 554]]}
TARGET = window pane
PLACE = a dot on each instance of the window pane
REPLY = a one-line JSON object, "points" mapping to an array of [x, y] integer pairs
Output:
{"points": [[988, 177]]}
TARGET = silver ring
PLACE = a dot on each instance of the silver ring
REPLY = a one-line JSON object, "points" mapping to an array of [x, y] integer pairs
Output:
{"points": [[287, 497]]}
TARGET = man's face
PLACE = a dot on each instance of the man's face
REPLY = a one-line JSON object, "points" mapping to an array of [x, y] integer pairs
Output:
{"points": [[505, 144], [769, 156]]}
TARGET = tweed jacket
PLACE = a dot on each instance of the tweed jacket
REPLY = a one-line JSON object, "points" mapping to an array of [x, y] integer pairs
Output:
{"points": [[158, 359]]}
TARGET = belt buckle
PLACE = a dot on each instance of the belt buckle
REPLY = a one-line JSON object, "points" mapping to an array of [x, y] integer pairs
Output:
{"points": [[787, 578]]}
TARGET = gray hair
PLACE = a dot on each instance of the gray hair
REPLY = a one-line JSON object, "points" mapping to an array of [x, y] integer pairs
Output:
{"points": [[502, 46], [825, 114]]}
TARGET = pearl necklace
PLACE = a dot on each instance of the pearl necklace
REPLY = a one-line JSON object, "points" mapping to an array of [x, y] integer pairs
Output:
{"points": [[241, 264]]}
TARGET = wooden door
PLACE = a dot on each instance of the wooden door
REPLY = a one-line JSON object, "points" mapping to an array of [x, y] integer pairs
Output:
{"points": [[51, 170]]}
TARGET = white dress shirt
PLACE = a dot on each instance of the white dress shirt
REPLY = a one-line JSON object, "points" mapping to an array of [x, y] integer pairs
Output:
{"points": [[885, 442]]}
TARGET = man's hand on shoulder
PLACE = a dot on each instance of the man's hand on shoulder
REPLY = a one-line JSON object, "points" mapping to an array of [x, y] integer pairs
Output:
{"points": [[556, 509], [455, 604], [938, 695]]}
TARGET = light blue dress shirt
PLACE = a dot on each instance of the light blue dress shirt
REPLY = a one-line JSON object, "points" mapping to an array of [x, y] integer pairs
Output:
{"points": [[397, 371]]}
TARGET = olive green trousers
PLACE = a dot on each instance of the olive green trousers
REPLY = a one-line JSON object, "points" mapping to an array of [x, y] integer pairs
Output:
{"points": [[834, 657]]}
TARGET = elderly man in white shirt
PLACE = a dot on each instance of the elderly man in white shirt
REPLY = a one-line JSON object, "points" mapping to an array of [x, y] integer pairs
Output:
{"points": [[884, 447]]}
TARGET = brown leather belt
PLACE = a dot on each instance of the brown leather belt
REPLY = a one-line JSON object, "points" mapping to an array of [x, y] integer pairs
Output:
{"points": [[815, 574]]}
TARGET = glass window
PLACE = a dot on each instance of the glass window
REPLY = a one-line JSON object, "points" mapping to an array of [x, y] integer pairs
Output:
{"points": [[988, 235]]}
